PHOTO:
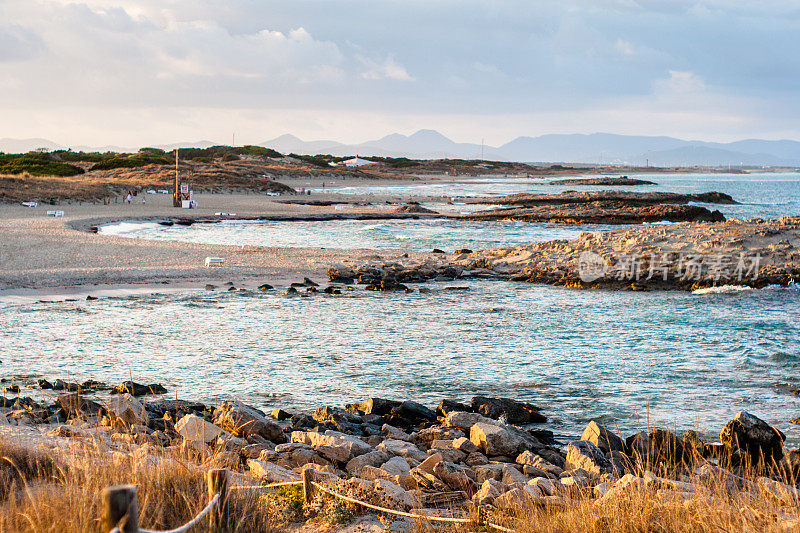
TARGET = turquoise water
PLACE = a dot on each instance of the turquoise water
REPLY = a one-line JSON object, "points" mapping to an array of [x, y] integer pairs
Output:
{"points": [[690, 359], [761, 195], [687, 360], [405, 234], [767, 195]]}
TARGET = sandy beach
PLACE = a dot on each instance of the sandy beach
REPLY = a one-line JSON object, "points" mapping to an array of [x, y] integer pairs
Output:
{"points": [[45, 253], [37, 250]]}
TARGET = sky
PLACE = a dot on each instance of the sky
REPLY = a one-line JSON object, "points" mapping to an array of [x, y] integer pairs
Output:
{"points": [[141, 72]]}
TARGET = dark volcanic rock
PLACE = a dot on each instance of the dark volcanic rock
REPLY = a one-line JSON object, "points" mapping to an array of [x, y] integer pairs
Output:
{"points": [[338, 419], [666, 447], [513, 411], [752, 435], [623, 180], [244, 421], [137, 389], [92, 385], [410, 413], [63, 385], [75, 405], [604, 207], [602, 213], [386, 286], [341, 274], [176, 409], [693, 446], [413, 207], [280, 414], [658, 446], [627, 198], [445, 406], [374, 406], [302, 421]]}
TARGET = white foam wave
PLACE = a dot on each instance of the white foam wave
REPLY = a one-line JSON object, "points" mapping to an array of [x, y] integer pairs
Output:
{"points": [[723, 289]]}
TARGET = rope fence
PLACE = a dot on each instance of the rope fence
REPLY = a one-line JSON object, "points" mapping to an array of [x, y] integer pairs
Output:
{"points": [[308, 491], [120, 508]]}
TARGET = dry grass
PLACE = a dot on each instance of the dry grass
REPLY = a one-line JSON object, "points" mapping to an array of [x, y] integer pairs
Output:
{"points": [[57, 490], [45, 492], [680, 503]]}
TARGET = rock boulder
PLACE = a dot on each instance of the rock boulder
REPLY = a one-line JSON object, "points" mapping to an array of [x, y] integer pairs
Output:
{"points": [[600, 436], [195, 429], [583, 454], [244, 421], [512, 411], [749, 433], [496, 440]]}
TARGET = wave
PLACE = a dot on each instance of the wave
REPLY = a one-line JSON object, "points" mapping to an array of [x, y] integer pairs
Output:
{"points": [[793, 286], [723, 289]]}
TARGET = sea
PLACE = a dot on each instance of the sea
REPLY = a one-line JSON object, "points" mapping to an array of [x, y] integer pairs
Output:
{"points": [[634, 360]]}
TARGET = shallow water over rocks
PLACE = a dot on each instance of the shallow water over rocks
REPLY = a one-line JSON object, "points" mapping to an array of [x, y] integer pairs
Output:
{"points": [[691, 360]]}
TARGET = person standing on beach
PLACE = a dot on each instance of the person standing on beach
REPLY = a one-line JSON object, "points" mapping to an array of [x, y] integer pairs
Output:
{"points": [[129, 198]]}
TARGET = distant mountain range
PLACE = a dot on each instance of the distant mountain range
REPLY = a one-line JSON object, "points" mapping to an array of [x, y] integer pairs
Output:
{"points": [[604, 148], [577, 148]]}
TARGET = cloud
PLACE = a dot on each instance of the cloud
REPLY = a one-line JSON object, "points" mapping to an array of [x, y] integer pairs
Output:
{"points": [[624, 47], [669, 60], [18, 43], [680, 82], [388, 69]]}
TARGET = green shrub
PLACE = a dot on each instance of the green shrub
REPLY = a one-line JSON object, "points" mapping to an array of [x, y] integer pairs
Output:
{"points": [[338, 514], [259, 151], [220, 152], [290, 492], [317, 160], [87, 157], [131, 161], [39, 164], [152, 151], [396, 162]]}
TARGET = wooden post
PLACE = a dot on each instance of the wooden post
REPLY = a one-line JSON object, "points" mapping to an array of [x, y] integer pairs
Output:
{"points": [[308, 488], [218, 484], [119, 508], [477, 514]]}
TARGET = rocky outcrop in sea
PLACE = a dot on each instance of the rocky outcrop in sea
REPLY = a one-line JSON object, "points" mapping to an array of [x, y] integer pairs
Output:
{"points": [[685, 256]]}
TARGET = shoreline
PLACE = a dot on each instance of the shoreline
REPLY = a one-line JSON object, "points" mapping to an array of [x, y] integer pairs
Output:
{"points": [[39, 251], [490, 455]]}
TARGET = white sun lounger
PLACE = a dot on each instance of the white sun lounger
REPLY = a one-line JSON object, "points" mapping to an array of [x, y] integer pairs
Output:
{"points": [[214, 261]]}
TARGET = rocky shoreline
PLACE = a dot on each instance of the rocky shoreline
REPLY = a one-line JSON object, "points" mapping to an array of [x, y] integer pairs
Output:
{"points": [[603, 207], [492, 454], [601, 213], [620, 181], [683, 256]]}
